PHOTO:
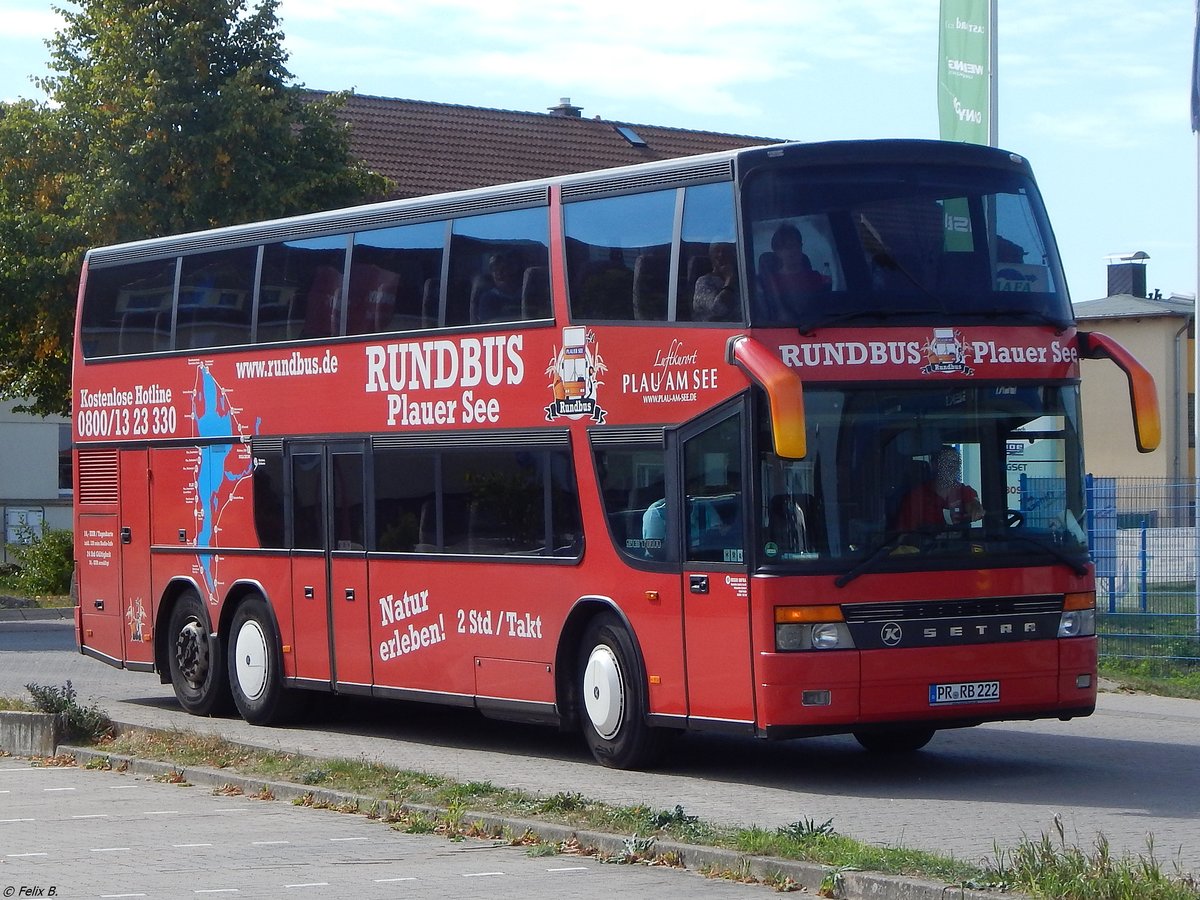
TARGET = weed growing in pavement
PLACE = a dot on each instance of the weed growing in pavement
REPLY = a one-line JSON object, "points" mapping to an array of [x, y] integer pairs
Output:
{"points": [[85, 723], [1041, 869]]}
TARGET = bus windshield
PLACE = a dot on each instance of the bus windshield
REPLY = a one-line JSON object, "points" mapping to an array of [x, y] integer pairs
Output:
{"points": [[921, 477], [901, 243]]}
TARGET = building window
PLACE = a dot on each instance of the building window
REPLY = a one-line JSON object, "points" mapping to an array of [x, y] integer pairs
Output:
{"points": [[65, 467]]}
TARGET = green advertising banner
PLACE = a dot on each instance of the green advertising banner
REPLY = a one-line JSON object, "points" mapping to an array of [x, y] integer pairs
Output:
{"points": [[963, 69]]}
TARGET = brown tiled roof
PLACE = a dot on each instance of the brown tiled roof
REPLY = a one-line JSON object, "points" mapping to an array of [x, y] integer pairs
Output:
{"points": [[429, 148]]}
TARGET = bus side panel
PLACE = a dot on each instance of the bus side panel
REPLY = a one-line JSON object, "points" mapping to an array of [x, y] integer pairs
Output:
{"points": [[430, 620], [101, 628]]}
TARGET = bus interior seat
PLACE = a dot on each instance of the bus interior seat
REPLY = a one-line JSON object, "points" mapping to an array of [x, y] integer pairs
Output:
{"points": [[905, 465], [535, 293], [455, 513], [274, 324], [430, 302], [372, 300], [210, 326], [768, 280], [604, 290], [320, 306], [698, 266], [650, 287], [480, 285], [141, 332]]}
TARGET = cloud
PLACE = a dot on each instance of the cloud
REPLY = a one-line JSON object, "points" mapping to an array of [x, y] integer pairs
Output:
{"points": [[716, 60]]}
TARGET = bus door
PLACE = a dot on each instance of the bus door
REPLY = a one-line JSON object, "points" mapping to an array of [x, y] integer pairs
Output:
{"points": [[331, 609], [716, 602]]}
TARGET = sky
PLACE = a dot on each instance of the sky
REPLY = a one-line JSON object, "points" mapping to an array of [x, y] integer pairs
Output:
{"points": [[1094, 93]]}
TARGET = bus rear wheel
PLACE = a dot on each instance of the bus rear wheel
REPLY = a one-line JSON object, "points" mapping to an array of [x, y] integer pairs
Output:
{"points": [[613, 700], [256, 666], [894, 740], [195, 659]]}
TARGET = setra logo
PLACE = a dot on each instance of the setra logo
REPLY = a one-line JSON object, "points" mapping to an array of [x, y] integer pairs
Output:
{"points": [[891, 634]]}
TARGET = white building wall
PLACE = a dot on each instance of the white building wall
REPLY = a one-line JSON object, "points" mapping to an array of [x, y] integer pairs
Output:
{"points": [[29, 470]]}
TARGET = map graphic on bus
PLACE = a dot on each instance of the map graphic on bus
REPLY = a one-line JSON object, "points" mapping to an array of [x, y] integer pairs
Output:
{"points": [[219, 469]]}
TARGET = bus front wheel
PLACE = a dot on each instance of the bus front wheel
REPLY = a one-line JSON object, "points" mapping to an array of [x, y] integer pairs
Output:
{"points": [[894, 740], [614, 706], [256, 666], [195, 659]]}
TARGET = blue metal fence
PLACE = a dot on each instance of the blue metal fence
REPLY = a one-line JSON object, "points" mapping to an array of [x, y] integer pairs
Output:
{"points": [[1143, 538]]}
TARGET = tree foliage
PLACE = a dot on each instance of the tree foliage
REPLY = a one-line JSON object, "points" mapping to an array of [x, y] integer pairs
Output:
{"points": [[160, 117]]}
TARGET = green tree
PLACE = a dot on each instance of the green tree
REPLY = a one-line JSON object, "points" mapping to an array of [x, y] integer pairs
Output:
{"points": [[162, 116]]}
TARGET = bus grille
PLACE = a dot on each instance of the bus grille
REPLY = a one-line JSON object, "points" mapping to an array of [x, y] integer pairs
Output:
{"points": [[98, 481]]}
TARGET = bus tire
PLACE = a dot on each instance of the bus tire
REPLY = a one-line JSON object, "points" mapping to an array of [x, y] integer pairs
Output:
{"points": [[196, 659], [613, 713], [256, 666], [894, 740]]}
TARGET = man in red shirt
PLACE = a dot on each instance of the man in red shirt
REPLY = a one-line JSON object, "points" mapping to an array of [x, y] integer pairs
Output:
{"points": [[941, 501]]}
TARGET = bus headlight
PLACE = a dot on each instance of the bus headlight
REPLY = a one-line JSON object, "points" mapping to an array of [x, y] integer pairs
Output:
{"points": [[1079, 616], [799, 628], [1077, 623]]}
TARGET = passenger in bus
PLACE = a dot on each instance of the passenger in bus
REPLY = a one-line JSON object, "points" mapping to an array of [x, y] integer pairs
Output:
{"points": [[654, 529], [716, 295], [787, 271], [501, 300], [942, 500]]}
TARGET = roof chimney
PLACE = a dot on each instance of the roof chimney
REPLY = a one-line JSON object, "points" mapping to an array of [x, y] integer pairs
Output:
{"points": [[1127, 274], [566, 110]]}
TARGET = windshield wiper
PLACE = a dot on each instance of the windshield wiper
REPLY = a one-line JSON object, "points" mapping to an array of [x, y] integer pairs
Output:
{"points": [[882, 551], [1010, 313], [1058, 553]]}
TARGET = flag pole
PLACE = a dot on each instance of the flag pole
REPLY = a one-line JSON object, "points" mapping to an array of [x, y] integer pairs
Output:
{"points": [[993, 74], [1195, 319]]}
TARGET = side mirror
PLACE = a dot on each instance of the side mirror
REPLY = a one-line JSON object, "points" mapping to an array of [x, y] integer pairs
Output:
{"points": [[1143, 397]]}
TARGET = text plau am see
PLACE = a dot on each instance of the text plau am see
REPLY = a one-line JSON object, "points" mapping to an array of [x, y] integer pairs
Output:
{"points": [[397, 368]]}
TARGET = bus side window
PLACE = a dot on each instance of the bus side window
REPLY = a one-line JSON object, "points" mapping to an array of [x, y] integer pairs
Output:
{"points": [[490, 256], [708, 289], [215, 291], [712, 473], [268, 497], [632, 485], [300, 294], [389, 271], [127, 309], [618, 252]]}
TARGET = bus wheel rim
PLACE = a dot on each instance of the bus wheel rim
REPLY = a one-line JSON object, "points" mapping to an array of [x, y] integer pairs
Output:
{"points": [[191, 653], [604, 691], [251, 660]]}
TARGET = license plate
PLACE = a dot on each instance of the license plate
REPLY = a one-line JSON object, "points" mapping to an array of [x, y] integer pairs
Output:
{"points": [[964, 692]]}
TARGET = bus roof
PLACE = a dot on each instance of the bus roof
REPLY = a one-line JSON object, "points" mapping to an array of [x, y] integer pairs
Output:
{"points": [[719, 166]]}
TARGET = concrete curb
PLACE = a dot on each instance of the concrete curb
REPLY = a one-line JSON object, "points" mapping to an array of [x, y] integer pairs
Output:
{"points": [[846, 885], [34, 613], [30, 733]]}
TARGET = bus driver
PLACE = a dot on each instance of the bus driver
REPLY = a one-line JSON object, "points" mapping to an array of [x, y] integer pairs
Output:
{"points": [[942, 500]]}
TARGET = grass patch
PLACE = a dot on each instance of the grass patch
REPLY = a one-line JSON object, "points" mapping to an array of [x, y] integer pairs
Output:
{"points": [[1051, 867], [14, 704], [1152, 677], [646, 825]]}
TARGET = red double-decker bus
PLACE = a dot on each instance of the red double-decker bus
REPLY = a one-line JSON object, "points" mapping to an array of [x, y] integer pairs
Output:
{"points": [[779, 442]]}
